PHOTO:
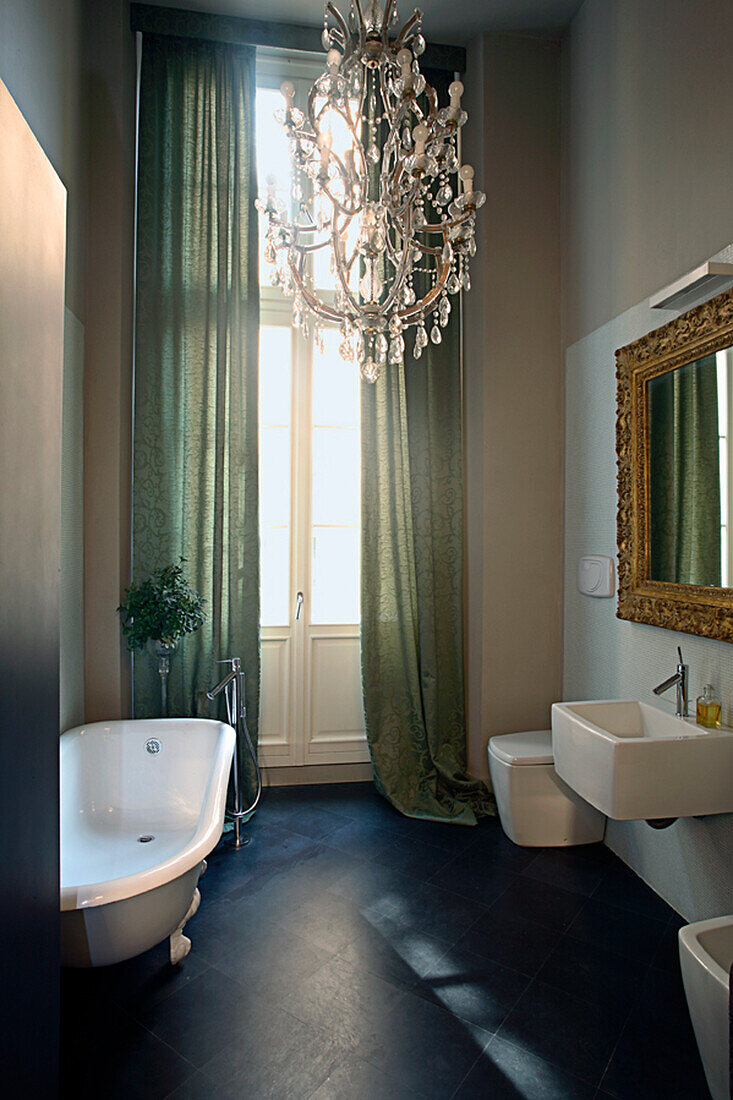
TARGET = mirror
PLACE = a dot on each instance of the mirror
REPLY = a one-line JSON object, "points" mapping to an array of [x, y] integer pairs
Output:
{"points": [[689, 472], [675, 457]]}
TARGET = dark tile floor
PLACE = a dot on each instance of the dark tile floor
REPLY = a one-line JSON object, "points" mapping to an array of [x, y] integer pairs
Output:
{"points": [[349, 953]]}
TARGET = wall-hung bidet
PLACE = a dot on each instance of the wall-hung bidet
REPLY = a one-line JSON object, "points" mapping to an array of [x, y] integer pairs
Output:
{"points": [[706, 956], [536, 808]]}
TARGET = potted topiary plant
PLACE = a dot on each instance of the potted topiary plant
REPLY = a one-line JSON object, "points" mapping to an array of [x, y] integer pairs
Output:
{"points": [[159, 611]]}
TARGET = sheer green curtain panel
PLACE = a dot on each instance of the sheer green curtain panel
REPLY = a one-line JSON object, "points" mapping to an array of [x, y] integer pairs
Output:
{"points": [[412, 581], [195, 480]]}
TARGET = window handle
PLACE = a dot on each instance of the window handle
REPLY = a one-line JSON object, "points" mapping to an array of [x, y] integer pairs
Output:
{"points": [[298, 605]]}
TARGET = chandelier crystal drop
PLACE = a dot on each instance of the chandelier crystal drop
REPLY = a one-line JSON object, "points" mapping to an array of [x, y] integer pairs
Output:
{"points": [[377, 185]]}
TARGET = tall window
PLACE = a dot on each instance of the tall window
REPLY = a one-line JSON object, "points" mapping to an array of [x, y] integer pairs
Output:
{"points": [[309, 493], [309, 399]]}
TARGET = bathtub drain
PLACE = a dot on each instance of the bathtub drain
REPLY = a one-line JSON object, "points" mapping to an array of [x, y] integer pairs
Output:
{"points": [[145, 838]]}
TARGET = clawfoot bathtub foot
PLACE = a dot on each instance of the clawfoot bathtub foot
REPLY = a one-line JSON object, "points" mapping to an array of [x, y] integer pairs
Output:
{"points": [[180, 945]]}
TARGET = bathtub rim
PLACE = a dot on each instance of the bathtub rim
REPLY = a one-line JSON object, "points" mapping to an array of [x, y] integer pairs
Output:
{"points": [[211, 820]]}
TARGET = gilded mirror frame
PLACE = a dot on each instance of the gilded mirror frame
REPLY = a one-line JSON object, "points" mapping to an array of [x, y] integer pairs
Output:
{"points": [[692, 609]]}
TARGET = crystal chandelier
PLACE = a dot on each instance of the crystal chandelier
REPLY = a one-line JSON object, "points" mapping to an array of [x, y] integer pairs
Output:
{"points": [[374, 166]]}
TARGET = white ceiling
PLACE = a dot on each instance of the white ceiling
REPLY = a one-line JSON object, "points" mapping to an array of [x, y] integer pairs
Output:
{"points": [[452, 22]]}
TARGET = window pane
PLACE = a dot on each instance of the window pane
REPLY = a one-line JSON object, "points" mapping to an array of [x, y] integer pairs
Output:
{"points": [[336, 488], [336, 470], [274, 477], [336, 385], [273, 159], [274, 474], [274, 576], [335, 593], [275, 355]]}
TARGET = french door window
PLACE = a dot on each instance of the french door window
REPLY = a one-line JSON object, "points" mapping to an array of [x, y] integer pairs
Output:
{"points": [[309, 499]]}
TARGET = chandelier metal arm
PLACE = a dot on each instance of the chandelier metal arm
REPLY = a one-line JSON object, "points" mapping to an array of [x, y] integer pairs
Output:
{"points": [[399, 278], [397, 285], [432, 98], [343, 26], [386, 98], [310, 111], [360, 21], [348, 212], [427, 249], [327, 312], [308, 249], [424, 305], [388, 16], [336, 244], [404, 34], [392, 251], [452, 224]]}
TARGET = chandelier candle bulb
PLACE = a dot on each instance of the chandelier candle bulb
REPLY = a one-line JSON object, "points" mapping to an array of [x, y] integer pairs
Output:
{"points": [[455, 91], [465, 174], [420, 135], [325, 142], [404, 60], [288, 93], [381, 207]]}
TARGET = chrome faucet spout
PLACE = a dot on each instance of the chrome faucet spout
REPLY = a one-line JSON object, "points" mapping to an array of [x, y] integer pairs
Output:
{"points": [[222, 684], [679, 680]]}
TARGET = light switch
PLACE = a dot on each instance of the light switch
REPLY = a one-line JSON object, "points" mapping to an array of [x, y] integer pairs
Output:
{"points": [[596, 576]]}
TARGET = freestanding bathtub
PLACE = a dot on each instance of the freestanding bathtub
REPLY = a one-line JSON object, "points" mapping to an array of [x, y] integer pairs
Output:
{"points": [[142, 805]]}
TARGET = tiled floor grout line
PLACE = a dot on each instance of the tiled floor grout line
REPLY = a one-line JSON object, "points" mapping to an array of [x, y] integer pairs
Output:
{"points": [[471, 1068], [626, 1018], [194, 1069], [623, 1029]]}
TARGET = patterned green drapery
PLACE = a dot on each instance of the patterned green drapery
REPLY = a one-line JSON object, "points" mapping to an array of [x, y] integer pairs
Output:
{"points": [[195, 491], [684, 475], [412, 581]]}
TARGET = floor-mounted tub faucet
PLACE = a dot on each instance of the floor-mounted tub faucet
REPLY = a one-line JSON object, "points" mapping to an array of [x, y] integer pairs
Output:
{"points": [[680, 682], [233, 686]]}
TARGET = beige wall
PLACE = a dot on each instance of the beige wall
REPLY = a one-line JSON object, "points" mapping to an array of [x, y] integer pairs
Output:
{"points": [[513, 387], [108, 367], [41, 64], [41, 61], [650, 162], [32, 268]]}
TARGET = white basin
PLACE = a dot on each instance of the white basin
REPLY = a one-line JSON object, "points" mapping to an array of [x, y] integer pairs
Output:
{"points": [[706, 956], [633, 761]]}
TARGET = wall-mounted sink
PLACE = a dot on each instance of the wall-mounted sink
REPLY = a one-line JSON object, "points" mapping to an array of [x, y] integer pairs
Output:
{"points": [[633, 761]]}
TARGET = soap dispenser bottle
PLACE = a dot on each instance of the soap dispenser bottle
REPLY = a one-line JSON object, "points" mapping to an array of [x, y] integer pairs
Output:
{"points": [[708, 709]]}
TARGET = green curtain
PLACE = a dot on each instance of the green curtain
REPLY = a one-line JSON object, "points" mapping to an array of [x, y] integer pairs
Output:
{"points": [[684, 480], [195, 490], [412, 581]]}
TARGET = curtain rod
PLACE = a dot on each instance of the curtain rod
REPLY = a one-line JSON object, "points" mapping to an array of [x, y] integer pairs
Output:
{"points": [[151, 19]]}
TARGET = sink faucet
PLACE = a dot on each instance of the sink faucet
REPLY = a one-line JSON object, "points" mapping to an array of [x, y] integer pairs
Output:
{"points": [[680, 682]]}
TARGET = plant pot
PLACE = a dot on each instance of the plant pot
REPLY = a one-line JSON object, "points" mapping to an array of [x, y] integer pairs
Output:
{"points": [[162, 651]]}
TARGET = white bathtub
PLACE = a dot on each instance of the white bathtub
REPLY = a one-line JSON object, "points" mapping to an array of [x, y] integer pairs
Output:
{"points": [[123, 782]]}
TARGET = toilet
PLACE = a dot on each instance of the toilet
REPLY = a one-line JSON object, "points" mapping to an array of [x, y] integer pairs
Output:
{"points": [[536, 809]]}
